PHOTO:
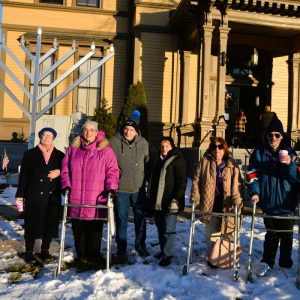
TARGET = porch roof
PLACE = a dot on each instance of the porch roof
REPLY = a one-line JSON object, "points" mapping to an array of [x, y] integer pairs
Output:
{"points": [[278, 21]]}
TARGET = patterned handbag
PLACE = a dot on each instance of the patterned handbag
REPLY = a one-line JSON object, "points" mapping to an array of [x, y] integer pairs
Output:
{"points": [[222, 253]]}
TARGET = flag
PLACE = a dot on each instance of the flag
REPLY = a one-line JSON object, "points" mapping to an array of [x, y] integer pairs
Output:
{"points": [[5, 161]]}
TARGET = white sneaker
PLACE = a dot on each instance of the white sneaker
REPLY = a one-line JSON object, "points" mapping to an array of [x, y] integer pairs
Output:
{"points": [[263, 270]]}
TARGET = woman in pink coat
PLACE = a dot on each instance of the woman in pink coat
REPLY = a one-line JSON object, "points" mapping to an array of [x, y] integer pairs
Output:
{"points": [[89, 171]]}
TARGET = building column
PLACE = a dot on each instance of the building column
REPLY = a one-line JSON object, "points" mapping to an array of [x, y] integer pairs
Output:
{"points": [[137, 59], [205, 119], [294, 97], [222, 61], [185, 131], [186, 81], [206, 71]]}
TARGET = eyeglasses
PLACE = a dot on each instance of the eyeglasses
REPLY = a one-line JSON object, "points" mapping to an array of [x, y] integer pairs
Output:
{"points": [[88, 130], [220, 147], [276, 135]]}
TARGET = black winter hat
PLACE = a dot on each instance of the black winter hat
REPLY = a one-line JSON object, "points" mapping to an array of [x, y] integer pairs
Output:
{"points": [[132, 124], [275, 126]]}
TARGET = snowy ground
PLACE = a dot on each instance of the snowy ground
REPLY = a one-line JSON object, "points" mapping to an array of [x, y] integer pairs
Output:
{"points": [[145, 279]]}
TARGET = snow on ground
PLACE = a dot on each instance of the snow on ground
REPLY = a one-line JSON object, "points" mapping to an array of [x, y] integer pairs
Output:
{"points": [[145, 279], [8, 196]]}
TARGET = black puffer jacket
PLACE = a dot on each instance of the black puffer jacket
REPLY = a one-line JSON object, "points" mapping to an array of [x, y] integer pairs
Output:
{"points": [[167, 181]]}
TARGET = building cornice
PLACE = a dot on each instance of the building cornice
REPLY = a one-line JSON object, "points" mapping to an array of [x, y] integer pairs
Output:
{"points": [[150, 4], [232, 13], [77, 9], [282, 8], [68, 35], [267, 20]]}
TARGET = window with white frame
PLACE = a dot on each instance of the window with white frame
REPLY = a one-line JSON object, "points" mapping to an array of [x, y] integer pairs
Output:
{"points": [[43, 85], [89, 91], [91, 3]]}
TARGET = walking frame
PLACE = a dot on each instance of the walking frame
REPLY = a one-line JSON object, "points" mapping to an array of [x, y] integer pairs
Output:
{"points": [[249, 274], [298, 271], [186, 267], [110, 229]]}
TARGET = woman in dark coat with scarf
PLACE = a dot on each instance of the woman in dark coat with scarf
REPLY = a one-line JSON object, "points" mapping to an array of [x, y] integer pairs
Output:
{"points": [[39, 189], [166, 191]]}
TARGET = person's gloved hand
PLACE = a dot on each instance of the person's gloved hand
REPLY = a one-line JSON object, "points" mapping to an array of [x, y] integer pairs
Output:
{"points": [[174, 206], [112, 193], [66, 190]]}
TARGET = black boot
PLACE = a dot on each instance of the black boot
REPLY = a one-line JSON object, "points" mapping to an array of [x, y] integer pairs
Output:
{"points": [[142, 252], [46, 257], [29, 257], [165, 261]]}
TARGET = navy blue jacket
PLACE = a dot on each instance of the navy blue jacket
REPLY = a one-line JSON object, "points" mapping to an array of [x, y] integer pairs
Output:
{"points": [[274, 182]]}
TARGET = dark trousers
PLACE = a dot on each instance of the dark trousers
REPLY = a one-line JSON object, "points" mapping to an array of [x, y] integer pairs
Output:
{"points": [[29, 244], [272, 239], [166, 227], [240, 136], [87, 238], [123, 202]]}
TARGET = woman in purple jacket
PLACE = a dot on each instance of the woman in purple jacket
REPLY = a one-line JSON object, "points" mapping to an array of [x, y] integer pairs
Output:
{"points": [[89, 172]]}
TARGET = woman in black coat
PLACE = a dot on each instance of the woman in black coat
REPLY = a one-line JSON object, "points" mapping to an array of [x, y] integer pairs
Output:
{"points": [[39, 189], [166, 191]]}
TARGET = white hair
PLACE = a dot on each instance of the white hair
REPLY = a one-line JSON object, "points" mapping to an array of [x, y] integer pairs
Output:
{"points": [[90, 122]]}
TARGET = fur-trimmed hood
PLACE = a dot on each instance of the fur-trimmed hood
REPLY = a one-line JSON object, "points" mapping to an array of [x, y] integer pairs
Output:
{"points": [[101, 141], [90, 171]]}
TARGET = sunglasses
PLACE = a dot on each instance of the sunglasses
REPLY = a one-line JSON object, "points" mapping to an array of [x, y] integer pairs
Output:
{"points": [[276, 135], [220, 147]]}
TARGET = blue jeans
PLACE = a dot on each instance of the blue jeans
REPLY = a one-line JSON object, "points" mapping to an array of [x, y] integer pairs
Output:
{"points": [[166, 227], [123, 202]]}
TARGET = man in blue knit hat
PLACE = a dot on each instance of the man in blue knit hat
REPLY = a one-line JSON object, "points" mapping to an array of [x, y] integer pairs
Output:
{"points": [[132, 152]]}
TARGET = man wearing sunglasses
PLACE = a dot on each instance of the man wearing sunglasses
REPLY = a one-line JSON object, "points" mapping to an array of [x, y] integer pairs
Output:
{"points": [[272, 175]]}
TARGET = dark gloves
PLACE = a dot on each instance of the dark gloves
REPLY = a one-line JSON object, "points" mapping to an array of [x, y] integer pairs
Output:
{"points": [[65, 190], [112, 193]]}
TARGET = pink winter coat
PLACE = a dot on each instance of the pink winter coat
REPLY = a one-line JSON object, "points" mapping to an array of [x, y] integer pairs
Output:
{"points": [[89, 172]]}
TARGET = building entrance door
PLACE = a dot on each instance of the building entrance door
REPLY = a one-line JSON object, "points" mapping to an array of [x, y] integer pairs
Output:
{"points": [[245, 98]]}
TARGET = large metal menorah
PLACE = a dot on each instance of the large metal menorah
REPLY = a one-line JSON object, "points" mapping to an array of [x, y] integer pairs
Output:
{"points": [[36, 77]]}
